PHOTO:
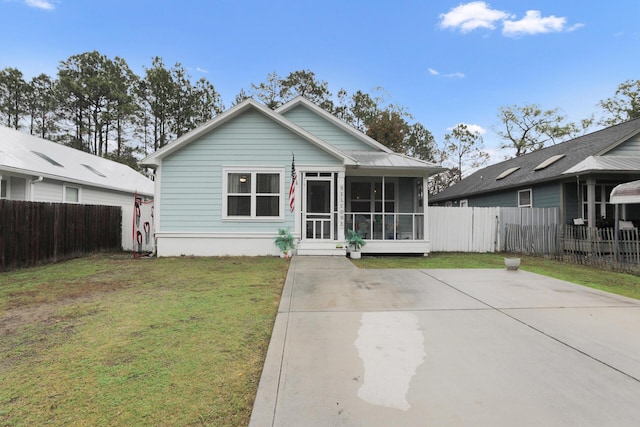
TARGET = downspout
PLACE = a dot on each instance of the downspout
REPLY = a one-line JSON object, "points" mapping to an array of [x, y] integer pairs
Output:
{"points": [[33, 182]]}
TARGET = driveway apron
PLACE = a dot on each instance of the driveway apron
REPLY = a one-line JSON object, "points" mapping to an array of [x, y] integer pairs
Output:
{"points": [[481, 347]]}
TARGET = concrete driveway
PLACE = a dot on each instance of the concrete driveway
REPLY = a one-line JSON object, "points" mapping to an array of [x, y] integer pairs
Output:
{"points": [[487, 347]]}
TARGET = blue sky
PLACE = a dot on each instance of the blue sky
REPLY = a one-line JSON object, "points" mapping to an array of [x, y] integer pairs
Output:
{"points": [[447, 62]]}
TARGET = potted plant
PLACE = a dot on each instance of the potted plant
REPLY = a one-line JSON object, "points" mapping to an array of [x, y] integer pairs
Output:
{"points": [[285, 242], [512, 263], [355, 242]]}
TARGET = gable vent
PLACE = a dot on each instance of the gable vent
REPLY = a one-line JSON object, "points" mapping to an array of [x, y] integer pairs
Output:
{"points": [[507, 173], [551, 160]]}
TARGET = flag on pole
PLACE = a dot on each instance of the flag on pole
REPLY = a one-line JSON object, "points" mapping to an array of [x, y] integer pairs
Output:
{"points": [[292, 188]]}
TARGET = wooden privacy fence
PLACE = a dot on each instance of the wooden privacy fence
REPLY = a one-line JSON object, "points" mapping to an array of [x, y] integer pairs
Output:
{"points": [[34, 232]]}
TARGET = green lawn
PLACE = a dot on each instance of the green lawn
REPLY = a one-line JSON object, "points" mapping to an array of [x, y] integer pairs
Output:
{"points": [[109, 340], [619, 283]]}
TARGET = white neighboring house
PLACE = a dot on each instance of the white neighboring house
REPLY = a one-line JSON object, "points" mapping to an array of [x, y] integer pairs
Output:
{"points": [[34, 169]]}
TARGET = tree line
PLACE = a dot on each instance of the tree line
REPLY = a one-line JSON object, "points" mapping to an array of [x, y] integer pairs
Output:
{"points": [[97, 104]]}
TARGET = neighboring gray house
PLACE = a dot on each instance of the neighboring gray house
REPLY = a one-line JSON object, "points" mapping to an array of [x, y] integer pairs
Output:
{"points": [[223, 188], [34, 169], [576, 176]]}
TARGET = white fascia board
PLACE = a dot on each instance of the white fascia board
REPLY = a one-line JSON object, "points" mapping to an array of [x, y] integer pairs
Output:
{"points": [[344, 126], [153, 160]]}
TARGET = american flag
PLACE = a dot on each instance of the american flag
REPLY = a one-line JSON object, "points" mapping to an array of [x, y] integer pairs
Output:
{"points": [[292, 188]]}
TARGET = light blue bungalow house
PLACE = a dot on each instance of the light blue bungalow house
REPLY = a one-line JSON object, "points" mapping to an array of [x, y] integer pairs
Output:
{"points": [[224, 188]]}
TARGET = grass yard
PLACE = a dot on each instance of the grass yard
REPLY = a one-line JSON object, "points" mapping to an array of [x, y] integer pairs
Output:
{"points": [[618, 283], [109, 340]]}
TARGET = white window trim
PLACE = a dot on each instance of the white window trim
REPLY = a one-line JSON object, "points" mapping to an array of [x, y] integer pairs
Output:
{"points": [[64, 193], [464, 203], [253, 170], [530, 204]]}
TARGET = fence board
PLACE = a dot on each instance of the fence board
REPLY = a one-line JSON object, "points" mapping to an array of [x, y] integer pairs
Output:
{"points": [[463, 229], [522, 230], [34, 232]]}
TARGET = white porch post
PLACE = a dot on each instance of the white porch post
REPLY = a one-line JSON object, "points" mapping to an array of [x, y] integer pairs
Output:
{"points": [[591, 202], [340, 194], [425, 208]]}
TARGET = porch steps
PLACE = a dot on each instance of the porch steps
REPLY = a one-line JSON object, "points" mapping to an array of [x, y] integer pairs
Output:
{"points": [[320, 249]]}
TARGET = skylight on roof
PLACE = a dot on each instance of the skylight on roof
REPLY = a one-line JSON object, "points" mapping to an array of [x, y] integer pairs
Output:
{"points": [[47, 158], [507, 173], [551, 160], [94, 170]]}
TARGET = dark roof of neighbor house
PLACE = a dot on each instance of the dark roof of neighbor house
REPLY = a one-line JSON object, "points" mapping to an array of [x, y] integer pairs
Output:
{"points": [[529, 166]]}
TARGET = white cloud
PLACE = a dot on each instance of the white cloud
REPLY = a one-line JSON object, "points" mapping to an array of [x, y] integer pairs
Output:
{"points": [[40, 4], [456, 75], [471, 16], [201, 70], [575, 27], [478, 14], [533, 23], [472, 128]]}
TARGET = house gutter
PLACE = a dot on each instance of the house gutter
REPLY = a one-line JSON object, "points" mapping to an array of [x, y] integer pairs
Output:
{"points": [[34, 182]]}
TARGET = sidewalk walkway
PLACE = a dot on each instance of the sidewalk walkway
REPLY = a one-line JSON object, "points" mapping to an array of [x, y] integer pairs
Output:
{"points": [[447, 348]]}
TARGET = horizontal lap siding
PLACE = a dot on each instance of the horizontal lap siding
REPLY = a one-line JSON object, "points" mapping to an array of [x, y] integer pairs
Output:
{"points": [[47, 191], [191, 182], [630, 147], [505, 198], [325, 130], [546, 196]]}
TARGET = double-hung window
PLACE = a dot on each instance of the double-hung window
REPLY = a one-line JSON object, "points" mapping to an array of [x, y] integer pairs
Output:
{"points": [[253, 193]]}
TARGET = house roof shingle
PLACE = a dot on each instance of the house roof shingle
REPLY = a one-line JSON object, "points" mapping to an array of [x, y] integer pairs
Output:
{"points": [[575, 151]]}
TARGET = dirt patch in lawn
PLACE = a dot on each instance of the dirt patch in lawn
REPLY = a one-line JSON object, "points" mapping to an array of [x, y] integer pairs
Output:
{"points": [[27, 308]]}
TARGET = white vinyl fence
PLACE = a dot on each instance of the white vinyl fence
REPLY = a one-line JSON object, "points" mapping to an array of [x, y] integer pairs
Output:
{"points": [[490, 229]]}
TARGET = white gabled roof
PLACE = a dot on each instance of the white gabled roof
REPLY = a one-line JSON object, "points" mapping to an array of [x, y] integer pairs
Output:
{"points": [[153, 160], [29, 155]]}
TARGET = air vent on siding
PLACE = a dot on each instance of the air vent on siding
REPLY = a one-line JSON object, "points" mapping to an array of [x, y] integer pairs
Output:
{"points": [[507, 173], [551, 160]]}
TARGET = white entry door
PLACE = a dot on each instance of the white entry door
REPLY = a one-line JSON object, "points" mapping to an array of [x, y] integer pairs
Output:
{"points": [[318, 204]]}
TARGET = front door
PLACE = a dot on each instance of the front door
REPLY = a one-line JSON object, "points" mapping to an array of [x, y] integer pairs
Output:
{"points": [[319, 200]]}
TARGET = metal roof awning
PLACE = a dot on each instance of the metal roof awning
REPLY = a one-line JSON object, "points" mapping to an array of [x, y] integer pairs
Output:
{"points": [[627, 193], [605, 163], [378, 159]]}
